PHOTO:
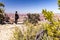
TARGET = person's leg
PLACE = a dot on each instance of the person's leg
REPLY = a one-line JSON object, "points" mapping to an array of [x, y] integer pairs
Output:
{"points": [[15, 21]]}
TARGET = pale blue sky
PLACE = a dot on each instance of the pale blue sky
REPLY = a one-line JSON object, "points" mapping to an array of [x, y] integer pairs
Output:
{"points": [[30, 6]]}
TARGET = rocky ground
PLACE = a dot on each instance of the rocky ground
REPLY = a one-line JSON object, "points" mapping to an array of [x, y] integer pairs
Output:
{"points": [[6, 31]]}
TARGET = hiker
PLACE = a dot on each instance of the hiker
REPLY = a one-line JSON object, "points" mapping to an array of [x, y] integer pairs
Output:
{"points": [[16, 17]]}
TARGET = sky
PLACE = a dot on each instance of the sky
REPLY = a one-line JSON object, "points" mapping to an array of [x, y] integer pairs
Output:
{"points": [[30, 6]]}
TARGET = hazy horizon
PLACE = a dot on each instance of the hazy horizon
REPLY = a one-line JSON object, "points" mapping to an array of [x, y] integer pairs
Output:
{"points": [[30, 6]]}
